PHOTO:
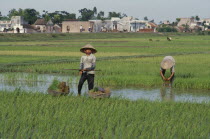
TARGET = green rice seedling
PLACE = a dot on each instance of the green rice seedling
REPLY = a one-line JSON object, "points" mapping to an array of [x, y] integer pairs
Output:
{"points": [[36, 115]]}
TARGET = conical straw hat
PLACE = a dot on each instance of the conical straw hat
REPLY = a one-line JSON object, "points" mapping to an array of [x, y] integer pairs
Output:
{"points": [[88, 46], [167, 62]]}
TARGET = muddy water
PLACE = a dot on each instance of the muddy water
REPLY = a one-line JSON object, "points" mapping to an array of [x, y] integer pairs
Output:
{"points": [[41, 82]]}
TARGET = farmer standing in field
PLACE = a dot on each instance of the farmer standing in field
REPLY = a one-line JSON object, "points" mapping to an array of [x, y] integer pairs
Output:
{"points": [[87, 67], [168, 62]]}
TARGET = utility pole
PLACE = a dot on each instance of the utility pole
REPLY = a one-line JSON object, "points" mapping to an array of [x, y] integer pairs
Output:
{"points": [[135, 26]]}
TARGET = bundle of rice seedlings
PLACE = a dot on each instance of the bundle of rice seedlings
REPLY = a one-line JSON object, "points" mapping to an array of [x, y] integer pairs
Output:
{"points": [[99, 92], [58, 88]]}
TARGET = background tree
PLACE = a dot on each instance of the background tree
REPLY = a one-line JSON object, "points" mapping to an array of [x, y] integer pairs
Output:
{"points": [[114, 14], [46, 16], [197, 18], [146, 18], [3, 17], [86, 14], [57, 19], [58, 16], [178, 20], [124, 15], [95, 10], [14, 12], [153, 21], [100, 15], [30, 15]]}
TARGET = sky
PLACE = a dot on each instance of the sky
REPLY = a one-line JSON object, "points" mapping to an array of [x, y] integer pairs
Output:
{"points": [[159, 10]]}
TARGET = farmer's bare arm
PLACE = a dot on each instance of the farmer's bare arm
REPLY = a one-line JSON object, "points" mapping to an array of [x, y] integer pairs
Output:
{"points": [[162, 75], [172, 74]]}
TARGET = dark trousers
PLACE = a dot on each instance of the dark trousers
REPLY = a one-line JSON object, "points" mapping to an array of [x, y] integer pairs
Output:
{"points": [[90, 80]]}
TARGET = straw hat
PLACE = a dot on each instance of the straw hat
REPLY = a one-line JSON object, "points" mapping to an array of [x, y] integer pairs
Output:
{"points": [[167, 62], [88, 46]]}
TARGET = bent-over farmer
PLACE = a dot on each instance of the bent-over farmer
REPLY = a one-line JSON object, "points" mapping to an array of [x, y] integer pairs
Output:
{"points": [[168, 62], [87, 67]]}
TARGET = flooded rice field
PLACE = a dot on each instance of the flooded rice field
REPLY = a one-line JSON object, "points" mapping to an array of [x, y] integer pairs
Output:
{"points": [[31, 82]]}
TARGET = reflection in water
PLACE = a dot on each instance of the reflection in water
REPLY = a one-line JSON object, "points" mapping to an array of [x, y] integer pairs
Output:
{"points": [[166, 92]]}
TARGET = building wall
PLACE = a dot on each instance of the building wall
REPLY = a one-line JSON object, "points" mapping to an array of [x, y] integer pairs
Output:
{"points": [[21, 29], [102, 26], [41, 28], [74, 26], [17, 20], [136, 26], [5, 24]]}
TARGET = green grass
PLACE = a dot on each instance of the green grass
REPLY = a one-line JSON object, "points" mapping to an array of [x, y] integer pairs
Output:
{"points": [[192, 71], [25, 115], [125, 59]]}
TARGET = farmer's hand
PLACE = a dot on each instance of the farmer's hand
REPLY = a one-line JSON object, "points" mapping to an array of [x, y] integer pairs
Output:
{"points": [[164, 79], [80, 73], [169, 79]]}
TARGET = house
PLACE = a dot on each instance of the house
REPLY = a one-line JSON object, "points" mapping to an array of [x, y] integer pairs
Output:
{"points": [[123, 25], [137, 25], [206, 23], [74, 26], [102, 25], [57, 28], [115, 21], [42, 26], [127, 24], [187, 21], [17, 24], [149, 27], [5, 25]]}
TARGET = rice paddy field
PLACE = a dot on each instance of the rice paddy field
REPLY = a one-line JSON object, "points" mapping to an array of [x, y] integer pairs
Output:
{"points": [[126, 60]]}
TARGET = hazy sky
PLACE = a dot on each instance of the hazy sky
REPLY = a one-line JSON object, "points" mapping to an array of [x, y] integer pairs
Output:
{"points": [[159, 10]]}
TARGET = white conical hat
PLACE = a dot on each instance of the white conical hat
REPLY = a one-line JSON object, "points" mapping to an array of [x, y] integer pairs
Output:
{"points": [[167, 62], [88, 46]]}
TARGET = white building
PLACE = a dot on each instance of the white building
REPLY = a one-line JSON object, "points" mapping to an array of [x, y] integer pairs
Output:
{"points": [[102, 26], [137, 25], [17, 23], [129, 24], [5, 25], [126, 24], [187, 21]]}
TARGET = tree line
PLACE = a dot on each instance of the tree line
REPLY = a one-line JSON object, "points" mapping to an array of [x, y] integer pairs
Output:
{"points": [[31, 15]]}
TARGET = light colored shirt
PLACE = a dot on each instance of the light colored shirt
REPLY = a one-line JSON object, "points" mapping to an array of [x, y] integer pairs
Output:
{"points": [[88, 62]]}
